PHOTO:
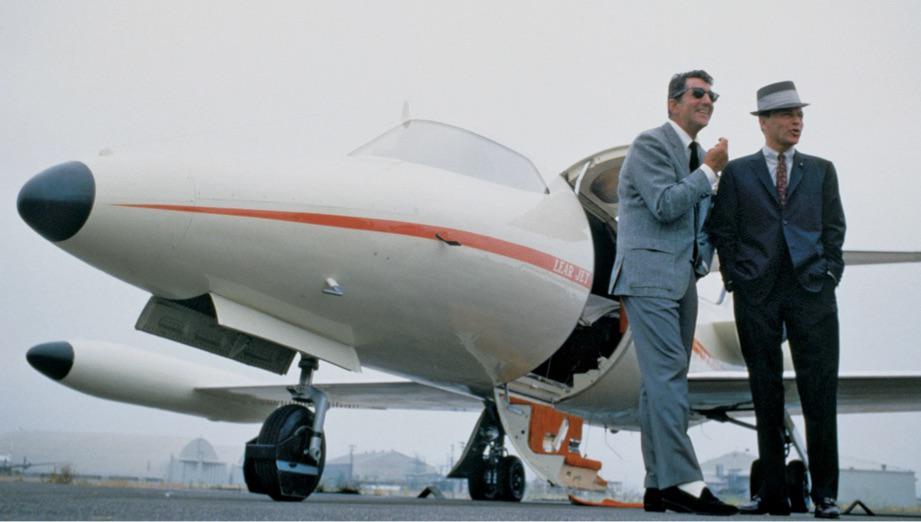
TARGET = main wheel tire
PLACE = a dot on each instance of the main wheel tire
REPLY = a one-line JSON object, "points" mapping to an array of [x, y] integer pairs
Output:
{"points": [[280, 425], [755, 479], [512, 479], [798, 486], [253, 482], [483, 484]]}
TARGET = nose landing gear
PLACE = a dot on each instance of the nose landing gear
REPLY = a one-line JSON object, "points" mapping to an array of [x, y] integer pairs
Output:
{"points": [[286, 460]]}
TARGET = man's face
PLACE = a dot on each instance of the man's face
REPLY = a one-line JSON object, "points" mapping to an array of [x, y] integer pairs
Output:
{"points": [[690, 113], [782, 128]]}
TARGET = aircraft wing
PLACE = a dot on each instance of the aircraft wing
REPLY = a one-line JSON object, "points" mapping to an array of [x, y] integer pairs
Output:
{"points": [[873, 257], [862, 257], [375, 396], [708, 391], [857, 392]]}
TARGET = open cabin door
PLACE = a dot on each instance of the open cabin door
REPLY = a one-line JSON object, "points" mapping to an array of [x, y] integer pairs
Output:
{"points": [[600, 329], [594, 180]]}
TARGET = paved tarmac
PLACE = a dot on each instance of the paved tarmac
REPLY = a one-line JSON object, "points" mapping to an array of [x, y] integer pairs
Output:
{"points": [[39, 501]]}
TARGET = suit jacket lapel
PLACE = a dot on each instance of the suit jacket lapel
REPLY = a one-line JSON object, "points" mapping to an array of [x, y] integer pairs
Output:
{"points": [[761, 172], [796, 173], [678, 153]]}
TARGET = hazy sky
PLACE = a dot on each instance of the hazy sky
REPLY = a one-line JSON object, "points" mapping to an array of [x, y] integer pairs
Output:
{"points": [[556, 81]]}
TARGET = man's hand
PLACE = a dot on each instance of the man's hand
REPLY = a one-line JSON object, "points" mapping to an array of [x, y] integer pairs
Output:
{"points": [[718, 156]]}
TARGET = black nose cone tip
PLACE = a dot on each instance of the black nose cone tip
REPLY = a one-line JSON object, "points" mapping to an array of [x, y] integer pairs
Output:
{"points": [[54, 360], [57, 201]]}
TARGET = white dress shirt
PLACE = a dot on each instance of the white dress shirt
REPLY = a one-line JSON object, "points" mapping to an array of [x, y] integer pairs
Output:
{"points": [[686, 141], [771, 155]]}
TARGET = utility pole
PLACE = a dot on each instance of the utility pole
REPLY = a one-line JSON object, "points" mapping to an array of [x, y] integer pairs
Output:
{"points": [[351, 463]]}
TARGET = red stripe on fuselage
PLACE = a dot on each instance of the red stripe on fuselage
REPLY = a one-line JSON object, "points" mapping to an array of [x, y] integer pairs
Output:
{"points": [[480, 242]]}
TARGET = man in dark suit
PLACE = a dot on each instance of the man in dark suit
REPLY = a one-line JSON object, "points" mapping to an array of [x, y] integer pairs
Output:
{"points": [[778, 226], [665, 185]]}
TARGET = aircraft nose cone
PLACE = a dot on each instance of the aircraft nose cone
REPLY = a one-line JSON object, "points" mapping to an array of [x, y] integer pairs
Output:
{"points": [[54, 360], [57, 201]]}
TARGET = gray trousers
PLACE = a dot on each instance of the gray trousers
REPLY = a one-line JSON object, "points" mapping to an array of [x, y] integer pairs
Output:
{"points": [[663, 334]]}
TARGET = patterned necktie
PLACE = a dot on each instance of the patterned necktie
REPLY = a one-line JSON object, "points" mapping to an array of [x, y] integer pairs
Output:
{"points": [[782, 180]]}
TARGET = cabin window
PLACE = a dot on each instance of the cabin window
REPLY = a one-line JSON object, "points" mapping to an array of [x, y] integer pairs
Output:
{"points": [[457, 150]]}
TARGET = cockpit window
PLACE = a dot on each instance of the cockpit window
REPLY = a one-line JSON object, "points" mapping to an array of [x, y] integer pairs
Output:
{"points": [[455, 149]]}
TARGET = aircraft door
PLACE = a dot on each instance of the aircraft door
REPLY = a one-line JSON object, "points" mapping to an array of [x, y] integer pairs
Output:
{"points": [[594, 180], [600, 329]]}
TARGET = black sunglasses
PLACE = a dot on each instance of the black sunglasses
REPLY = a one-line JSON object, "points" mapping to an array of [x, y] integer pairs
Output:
{"points": [[698, 92]]}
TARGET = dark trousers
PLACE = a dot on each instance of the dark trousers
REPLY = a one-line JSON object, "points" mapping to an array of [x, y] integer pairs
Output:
{"points": [[811, 321]]}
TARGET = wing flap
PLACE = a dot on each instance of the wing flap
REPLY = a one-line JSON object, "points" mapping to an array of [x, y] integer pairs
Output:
{"points": [[857, 392], [375, 396]]}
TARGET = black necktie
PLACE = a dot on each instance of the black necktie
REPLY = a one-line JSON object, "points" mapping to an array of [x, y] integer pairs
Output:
{"points": [[693, 165], [695, 162]]}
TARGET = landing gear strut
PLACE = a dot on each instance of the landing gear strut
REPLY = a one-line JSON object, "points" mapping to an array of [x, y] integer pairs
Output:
{"points": [[286, 460]]}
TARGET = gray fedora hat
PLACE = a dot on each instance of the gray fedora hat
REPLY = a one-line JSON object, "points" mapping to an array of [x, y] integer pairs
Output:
{"points": [[780, 95]]}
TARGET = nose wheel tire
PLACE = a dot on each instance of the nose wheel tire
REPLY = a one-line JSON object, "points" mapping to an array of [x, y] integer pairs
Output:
{"points": [[277, 463]]}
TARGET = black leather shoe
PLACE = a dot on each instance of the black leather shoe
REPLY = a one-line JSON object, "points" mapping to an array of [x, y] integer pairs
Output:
{"points": [[652, 501], [760, 506], [706, 504], [827, 508]]}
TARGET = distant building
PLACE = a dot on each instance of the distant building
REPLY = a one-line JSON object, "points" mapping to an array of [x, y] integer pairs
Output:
{"points": [[379, 468], [879, 489], [198, 465], [142, 458], [728, 475]]}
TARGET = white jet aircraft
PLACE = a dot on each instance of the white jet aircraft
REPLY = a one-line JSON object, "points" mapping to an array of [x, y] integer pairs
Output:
{"points": [[430, 253]]}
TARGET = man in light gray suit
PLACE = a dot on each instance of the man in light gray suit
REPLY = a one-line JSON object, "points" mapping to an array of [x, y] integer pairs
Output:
{"points": [[663, 193]]}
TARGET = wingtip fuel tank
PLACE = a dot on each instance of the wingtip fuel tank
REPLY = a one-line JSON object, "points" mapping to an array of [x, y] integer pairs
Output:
{"points": [[132, 375]]}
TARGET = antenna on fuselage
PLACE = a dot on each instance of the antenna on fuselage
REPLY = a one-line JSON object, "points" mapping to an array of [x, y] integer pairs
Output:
{"points": [[405, 115]]}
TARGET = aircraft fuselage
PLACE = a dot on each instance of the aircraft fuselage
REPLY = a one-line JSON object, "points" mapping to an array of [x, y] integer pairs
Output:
{"points": [[444, 278]]}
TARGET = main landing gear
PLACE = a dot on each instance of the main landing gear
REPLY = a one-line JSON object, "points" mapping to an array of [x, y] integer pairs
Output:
{"points": [[797, 470], [286, 460], [491, 473], [797, 476], [498, 478]]}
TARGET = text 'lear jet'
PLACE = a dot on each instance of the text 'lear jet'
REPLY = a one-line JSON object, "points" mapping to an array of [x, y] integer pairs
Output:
{"points": [[430, 253]]}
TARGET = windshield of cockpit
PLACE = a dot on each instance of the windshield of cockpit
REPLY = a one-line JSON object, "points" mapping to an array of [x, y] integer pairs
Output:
{"points": [[457, 150]]}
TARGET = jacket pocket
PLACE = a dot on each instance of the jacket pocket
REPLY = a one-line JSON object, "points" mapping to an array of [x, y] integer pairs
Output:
{"points": [[652, 245], [650, 268]]}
